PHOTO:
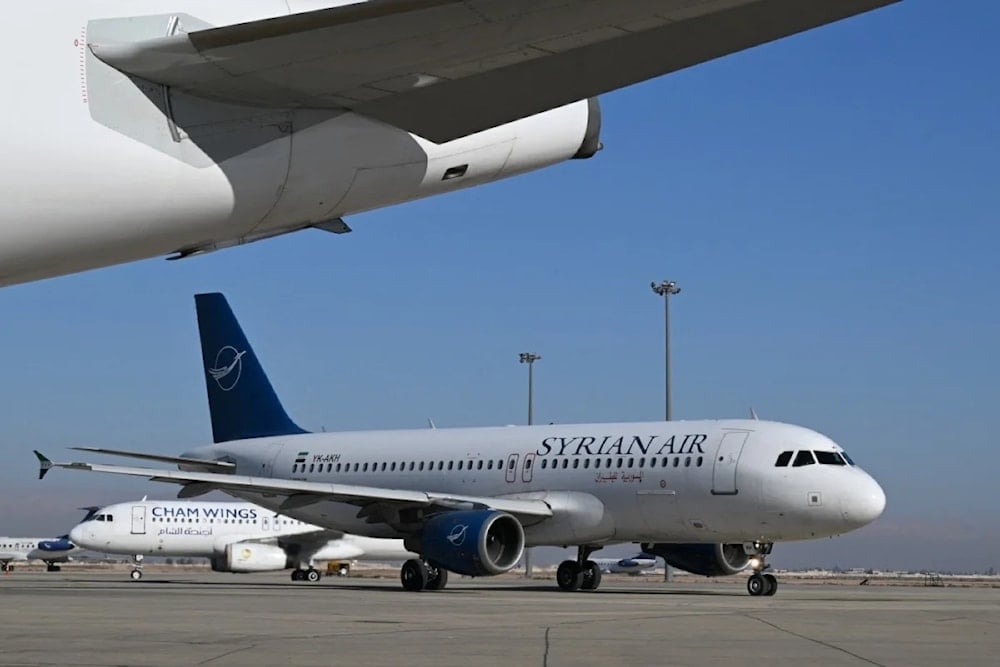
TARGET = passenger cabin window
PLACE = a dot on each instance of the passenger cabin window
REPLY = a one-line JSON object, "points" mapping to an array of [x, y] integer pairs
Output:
{"points": [[829, 458], [783, 459], [803, 458]]}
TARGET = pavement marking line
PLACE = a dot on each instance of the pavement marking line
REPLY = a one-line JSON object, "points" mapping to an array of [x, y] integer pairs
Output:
{"points": [[815, 641]]}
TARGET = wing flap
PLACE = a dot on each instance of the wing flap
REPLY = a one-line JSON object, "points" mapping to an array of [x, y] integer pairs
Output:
{"points": [[444, 69]]}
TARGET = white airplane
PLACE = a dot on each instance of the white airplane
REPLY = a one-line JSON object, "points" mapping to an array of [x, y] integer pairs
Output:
{"points": [[24, 549], [637, 564], [155, 127], [710, 497], [236, 537]]}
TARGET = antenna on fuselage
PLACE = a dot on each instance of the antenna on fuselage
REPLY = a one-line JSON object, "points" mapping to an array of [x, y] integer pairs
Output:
{"points": [[431, 424], [753, 414]]}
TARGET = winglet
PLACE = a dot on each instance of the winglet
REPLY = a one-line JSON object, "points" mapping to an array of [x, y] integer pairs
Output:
{"points": [[45, 465]]}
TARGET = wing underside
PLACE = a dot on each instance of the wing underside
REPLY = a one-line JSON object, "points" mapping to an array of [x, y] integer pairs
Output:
{"points": [[444, 69]]}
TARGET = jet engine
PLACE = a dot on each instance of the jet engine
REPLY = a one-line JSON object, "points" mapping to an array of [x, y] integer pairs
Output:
{"points": [[474, 542], [709, 560], [251, 557]]}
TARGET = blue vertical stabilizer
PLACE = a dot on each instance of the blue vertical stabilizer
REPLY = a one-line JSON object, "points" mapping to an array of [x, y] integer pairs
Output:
{"points": [[241, 399]]}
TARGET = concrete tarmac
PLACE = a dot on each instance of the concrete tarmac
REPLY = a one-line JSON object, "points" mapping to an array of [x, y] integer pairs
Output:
{"points": [[102, 618]]}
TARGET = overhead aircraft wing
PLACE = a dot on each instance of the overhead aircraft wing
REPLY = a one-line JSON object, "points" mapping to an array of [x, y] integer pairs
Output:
{"points": [[299, 493], [444, 69]]}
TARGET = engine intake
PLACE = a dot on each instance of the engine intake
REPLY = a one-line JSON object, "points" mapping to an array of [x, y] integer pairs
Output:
{"points": [[708, 560], [474, 542]]}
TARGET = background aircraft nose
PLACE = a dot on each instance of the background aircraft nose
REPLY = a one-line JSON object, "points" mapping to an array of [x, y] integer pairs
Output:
{"points": [[865, 504]]}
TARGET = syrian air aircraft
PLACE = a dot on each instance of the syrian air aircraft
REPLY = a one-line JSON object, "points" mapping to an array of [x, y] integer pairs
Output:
{"points": [[236, 537], [178, 127], [710, 497], [23, 549]]}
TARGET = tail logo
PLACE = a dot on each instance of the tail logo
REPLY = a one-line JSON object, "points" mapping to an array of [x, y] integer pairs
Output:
{"points": [[228, 367], [457, 535]]}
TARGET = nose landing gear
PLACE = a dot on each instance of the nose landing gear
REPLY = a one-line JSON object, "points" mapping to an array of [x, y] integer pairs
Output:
{"points": [[136, 572], [760, 582]]}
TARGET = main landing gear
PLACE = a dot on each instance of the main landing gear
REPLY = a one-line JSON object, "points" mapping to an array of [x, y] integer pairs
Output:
{"points": [[310, 574], [52, 567], [761, 582], [419, 575], [136, 572], [581, 574]]}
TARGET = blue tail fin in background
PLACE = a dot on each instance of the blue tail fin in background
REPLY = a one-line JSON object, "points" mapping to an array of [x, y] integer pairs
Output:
{"points": [[241, 399]]}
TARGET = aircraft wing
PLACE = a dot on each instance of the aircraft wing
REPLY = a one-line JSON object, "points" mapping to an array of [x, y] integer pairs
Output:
{"points": [[183, 461], [300, 494], [443, 69]]}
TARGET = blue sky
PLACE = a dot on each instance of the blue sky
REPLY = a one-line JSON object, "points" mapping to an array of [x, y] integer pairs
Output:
{"points": [[827, 204]]}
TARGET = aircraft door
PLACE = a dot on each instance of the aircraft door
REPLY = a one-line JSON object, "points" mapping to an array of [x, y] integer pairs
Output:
{"points": [[726, 460], [138, 519], [512, 468], [529, 463]]}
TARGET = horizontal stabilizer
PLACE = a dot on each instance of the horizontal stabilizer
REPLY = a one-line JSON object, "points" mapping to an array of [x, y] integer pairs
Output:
{"points": [[444, 69]]}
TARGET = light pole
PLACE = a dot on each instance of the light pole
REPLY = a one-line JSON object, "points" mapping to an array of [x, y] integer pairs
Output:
{"points": [[529, 358], [666, 289]]}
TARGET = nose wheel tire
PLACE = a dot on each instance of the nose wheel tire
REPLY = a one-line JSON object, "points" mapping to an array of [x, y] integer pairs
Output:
{"points": [[570, 576], [136, 575], [312, 575], [762, 584]]}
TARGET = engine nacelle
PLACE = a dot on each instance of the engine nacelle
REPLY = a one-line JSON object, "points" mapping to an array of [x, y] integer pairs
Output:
{"points": [[251, 557], [708, 560], [474, 542]]}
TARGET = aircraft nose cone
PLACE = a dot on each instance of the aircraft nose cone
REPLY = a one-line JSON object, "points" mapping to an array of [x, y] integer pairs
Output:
{"points": [[76, 536], [865, 504]]}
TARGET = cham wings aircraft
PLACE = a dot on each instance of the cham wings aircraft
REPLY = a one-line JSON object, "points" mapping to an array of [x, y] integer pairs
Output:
{"points": [[24, 549], [710, 497], [183, 126], [236, 537]]}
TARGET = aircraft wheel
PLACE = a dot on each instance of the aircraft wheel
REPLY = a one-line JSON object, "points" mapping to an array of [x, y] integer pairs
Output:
{"points": [[136, 575], [52, 567], [756, 585], [414, 575], [343, 570], [569, 576], [591, 576], [438, 578], [298, 575], [312, 575], [772, 584]]}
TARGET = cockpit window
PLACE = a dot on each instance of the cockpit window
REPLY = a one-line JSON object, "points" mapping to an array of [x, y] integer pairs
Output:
{"points": [[829, 458], [803, 458], [847, 458], [783, 459]]}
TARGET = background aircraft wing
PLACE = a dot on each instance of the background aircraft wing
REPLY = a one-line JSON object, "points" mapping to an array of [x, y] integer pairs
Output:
{"points": [[444, 69], [379, 504]]}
